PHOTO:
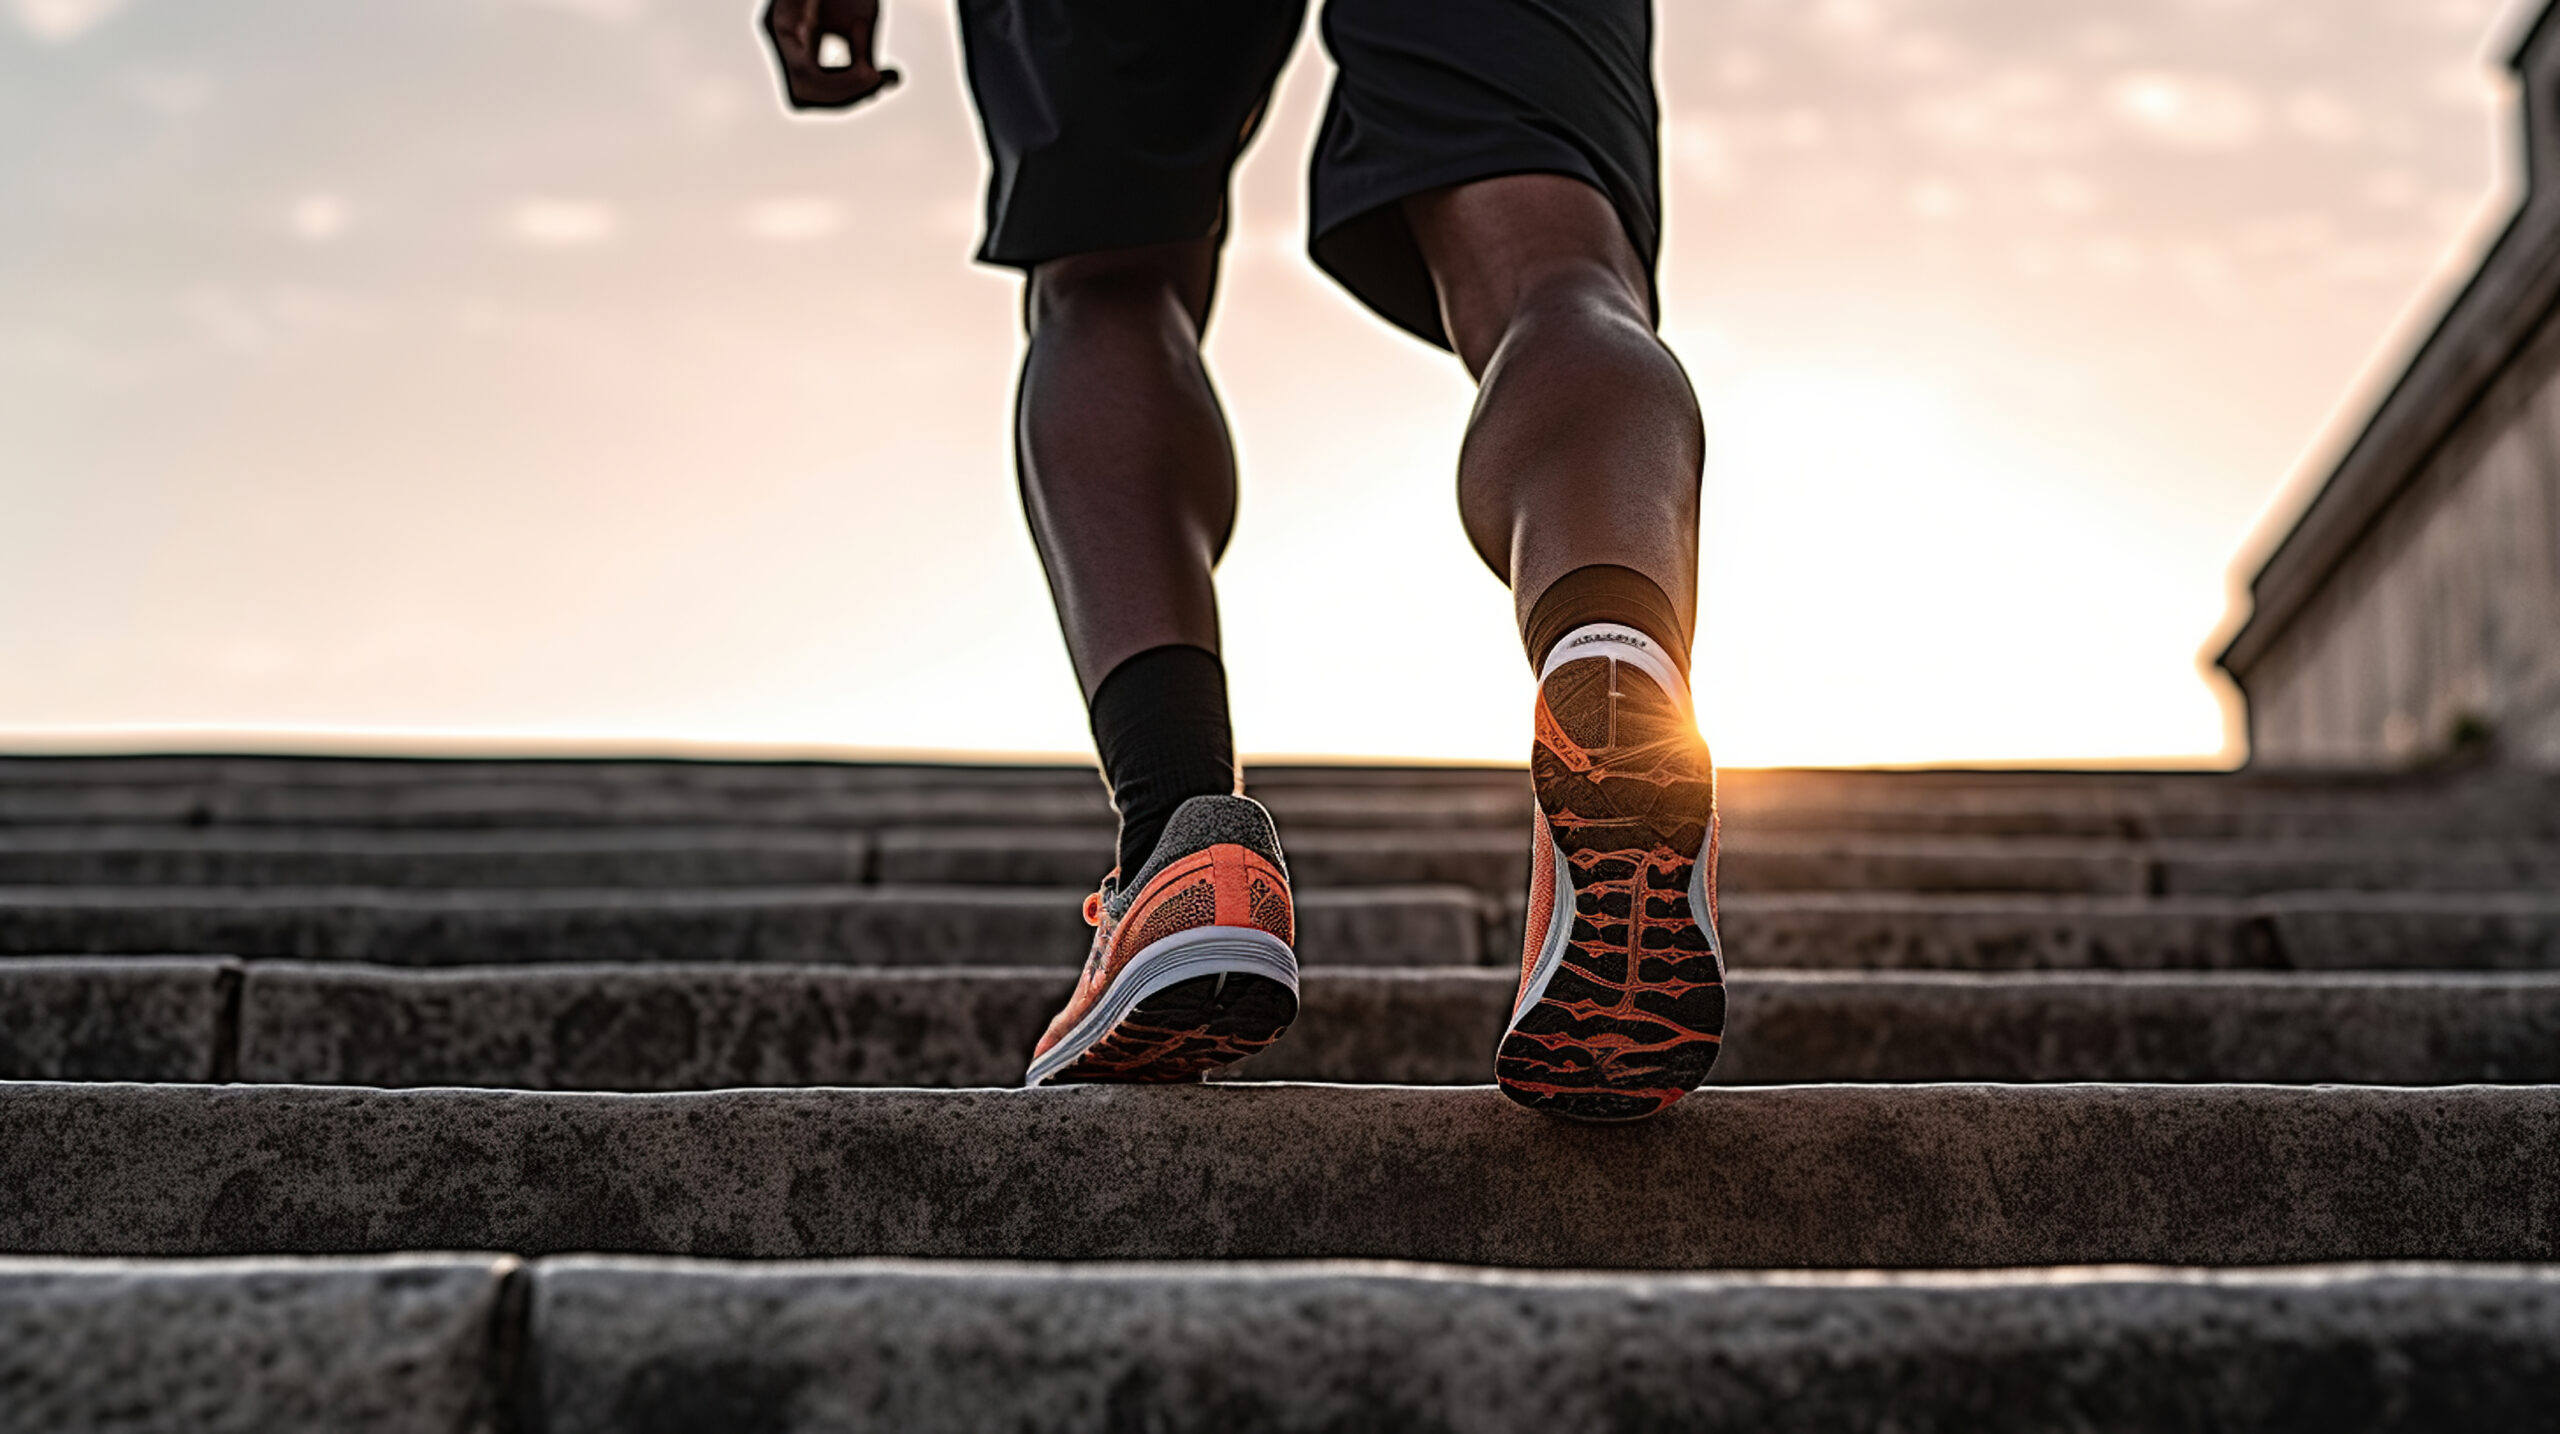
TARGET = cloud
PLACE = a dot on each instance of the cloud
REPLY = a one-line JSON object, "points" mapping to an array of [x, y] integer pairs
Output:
{"points": [[2319, 115], [170, 93], [1937, 200], [610, 10], [563, 223], [61, 21], [793, 220], [2068, 193], [318, 218], [1701, 154], [2188, 111]]}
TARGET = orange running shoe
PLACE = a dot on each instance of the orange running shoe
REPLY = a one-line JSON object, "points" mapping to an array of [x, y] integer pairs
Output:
{"points": [[1191, 966], [1620, 1009]]}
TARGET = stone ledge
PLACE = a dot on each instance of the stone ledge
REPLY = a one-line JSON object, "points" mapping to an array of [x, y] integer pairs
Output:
{"points": [[1379, 926], [1492, 862], [635, 1346], [629, 1345], [1845, 1176], [122, 1018], [478, 795], [845, 925], [691, 1028], [260, 1347]]}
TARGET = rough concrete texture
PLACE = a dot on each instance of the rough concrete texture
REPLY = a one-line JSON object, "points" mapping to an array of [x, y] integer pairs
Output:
{"points": [[640, 1028], [2223, 869], [125, 856], [706, 1027], [1492, 862], [501, 798], [1486, 860], [851, 925], [1496, 863], [2378, 1029], [2312, 931], [223, 791], [1838, 1176], [259, 1347], [148, 1020], [652, 1347]]}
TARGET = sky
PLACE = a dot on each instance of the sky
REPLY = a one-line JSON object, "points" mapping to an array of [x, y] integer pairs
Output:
{"points": [[516, 374]]}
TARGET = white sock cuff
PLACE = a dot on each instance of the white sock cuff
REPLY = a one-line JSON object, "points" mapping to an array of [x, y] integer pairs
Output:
{"points": [[1623, 644]]}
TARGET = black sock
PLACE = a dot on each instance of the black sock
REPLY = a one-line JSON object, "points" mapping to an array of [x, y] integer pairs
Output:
{"points": [[1160, 723], [1605, 592]]}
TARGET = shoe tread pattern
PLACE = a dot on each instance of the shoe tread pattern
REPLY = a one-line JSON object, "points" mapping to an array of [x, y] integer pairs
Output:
{"points": [[1189, 1029], [1634, 1014]]}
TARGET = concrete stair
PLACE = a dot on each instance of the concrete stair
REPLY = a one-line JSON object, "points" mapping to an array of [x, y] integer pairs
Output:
{"points": [[700, 1055], [708, 1027]]}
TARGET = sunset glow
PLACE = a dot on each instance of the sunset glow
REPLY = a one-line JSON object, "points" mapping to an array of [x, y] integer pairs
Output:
{"points": [[552, 387]]}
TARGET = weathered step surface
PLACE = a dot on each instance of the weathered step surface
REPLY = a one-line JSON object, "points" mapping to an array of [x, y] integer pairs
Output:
{"points": [[122, 1018], [627, 1345], [694, 1028], [1496, 863], [1493, 862], [1836, 1176], [219, 791], [595, 857], [259, 1347], [686, 1027], [1377, 926], [632, 1346], [857, 925], [654, 1028], [2309, 931]]}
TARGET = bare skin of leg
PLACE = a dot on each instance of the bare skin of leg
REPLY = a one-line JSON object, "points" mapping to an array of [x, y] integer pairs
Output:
{"points": [[1586, 445], [1128, 472]]}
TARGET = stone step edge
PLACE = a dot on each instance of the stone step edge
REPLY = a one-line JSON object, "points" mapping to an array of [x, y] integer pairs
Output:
{"points": [[1841, 1176], [1378, 926], [564, 1343], [219, 1020]]}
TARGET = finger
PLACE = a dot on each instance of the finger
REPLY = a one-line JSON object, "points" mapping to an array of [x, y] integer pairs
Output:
{"points": [[861, 30], [793, 23]]}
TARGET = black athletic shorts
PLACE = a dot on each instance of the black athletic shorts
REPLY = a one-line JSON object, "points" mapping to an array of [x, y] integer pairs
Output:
{"points": [[1115, 123]]}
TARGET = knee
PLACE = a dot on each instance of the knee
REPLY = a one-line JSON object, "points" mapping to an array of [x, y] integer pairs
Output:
{"points": [[1160, 284], [1566, 301], [1527, 249]]}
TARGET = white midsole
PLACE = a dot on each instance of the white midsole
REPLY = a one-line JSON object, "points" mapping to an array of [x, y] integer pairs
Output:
{"points": [[1559, 935], [1200, 951]]}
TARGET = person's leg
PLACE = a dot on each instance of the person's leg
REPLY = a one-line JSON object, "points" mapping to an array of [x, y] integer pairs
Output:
{"points": [[1585, 449], [1128, 475], [1128, 478], [1113, 129], [1578, 483]]}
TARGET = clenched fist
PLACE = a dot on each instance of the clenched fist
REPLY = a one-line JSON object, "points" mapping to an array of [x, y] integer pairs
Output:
{"points": [[796, 28]]}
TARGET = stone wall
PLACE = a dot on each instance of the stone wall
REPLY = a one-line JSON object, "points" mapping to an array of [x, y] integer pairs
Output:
{"points": [[2441, 629], [2413, 610]]}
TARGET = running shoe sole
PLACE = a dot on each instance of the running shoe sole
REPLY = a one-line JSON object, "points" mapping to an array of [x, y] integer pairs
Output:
{"points": [[1622, 1012], [1186, 1005]]}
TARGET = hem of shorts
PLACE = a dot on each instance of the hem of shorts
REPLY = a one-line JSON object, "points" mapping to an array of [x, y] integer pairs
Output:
{"points": [[1014, 254]]}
